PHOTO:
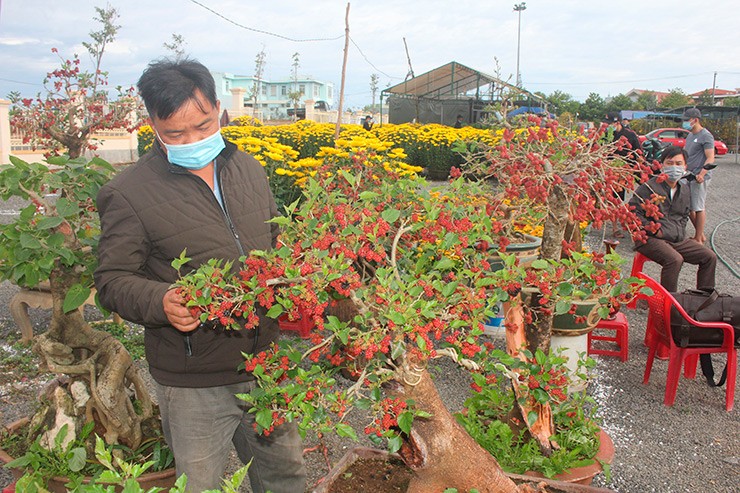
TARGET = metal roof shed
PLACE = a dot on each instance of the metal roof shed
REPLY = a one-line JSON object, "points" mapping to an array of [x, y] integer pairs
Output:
{"points": [[439, 95]]}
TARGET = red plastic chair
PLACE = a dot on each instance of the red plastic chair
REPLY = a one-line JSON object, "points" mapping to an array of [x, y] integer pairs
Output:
{"points": [[660, 304], [638, 261], [619, 338]]}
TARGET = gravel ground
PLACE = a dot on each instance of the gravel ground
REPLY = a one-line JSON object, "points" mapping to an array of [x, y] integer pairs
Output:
{"points": [[692, 446]]}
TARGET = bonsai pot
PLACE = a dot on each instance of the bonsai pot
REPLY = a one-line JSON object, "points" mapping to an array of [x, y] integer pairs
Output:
{"points": [[576, 480], [526, 249]]}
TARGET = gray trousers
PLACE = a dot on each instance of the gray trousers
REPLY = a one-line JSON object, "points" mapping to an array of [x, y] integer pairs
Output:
{"points": [[199, 423], [671, 257]]}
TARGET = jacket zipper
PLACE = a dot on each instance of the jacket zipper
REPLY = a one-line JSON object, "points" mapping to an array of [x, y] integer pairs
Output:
{"points": [[239, 246]]}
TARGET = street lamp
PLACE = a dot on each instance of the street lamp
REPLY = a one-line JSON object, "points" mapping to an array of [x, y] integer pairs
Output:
{"points": [[518, 7]]}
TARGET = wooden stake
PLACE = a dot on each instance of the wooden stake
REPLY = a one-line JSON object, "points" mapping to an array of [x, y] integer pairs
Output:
{"points": [[344, 71]]}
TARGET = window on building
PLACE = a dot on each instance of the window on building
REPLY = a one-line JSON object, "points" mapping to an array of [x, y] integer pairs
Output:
{"points": [[315, 91], [273, 90], [227, 85], [302, 88], [283, 90], [330, 92], [264, 90]]}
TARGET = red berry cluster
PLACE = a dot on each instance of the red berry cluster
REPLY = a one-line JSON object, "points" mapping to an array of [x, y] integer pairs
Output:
{"points": [[389, 410]]}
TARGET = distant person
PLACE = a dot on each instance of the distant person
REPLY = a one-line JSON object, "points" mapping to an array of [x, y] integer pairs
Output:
{"points": [[626, 122], [668, 245], [621, 130], [700, 149], [367, 123], [459, 121], [628, 151]]}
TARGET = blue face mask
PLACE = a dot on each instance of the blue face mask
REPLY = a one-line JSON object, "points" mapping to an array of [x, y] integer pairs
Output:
{"points": [[674, 173], [195, 155], [687, 125]]}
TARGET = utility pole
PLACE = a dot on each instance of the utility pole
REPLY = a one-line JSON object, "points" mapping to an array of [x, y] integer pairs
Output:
{"points": [[519, 7], [714, 85], [344, 72]]}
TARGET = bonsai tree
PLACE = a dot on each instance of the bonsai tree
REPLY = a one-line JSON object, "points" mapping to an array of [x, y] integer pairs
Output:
{"points": [[575, 179], [75, 103], [403, 275], [54, 239]]}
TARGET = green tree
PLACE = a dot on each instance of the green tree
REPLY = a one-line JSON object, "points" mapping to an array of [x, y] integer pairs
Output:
{"points": [[705, 98], [675, 99], [259, 70], [562, 102], [593, 109], [646, 101], [733, 101], [295, 95], [177, 46], [618, 103], [374, 78]]}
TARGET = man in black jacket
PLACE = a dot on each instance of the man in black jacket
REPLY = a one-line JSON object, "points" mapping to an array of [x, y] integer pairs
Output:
{"points": [[195, 191], [663, 204]]}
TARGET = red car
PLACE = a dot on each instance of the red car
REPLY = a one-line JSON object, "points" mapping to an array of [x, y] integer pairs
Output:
{"points": [[677, 137]]}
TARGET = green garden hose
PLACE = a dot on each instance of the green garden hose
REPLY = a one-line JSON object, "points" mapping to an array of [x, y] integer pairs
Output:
{"points": [[711, 244]]}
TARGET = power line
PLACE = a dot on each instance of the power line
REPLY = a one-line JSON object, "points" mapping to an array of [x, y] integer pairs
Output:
{"points": [[619, 81], [19, 82], [264, 32], [369, 62]]}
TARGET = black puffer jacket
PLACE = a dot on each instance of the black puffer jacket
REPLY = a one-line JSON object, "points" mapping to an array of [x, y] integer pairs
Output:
{"points": [[149, 214], [675, 210]]}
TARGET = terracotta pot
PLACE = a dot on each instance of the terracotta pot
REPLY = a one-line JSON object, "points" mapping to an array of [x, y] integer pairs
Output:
{"points": [[585, 474], [577, 480], [162, 479]]}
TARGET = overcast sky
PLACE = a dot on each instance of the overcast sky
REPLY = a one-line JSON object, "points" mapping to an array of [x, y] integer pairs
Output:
{"points": [[576, 46]]}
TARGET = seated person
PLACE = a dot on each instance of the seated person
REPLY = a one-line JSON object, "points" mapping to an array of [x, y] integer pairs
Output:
{"points": [[668, 197]]}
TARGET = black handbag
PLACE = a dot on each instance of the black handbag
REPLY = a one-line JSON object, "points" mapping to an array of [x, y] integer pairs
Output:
{"points": [[705, 305]]}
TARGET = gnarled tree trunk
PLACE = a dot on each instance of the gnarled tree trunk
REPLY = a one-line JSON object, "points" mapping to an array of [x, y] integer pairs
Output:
{"points": [[99, 380], [440, 452]]}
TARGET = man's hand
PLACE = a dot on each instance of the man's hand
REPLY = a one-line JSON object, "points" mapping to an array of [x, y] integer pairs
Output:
{"points": [[700, 176], [177, 313]]}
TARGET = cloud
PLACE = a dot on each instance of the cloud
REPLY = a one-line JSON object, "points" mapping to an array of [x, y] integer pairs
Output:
{"points": [[19, 41]]}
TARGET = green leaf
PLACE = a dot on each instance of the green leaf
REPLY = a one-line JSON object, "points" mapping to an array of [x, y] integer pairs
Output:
{"points": [[397, 318], [275, 311], [75, 298], [540, 395], [421, 342], [345, 430], [444, 263], [363, 403], [29, 242], [562, 307], [394, 444], [49, 222], [76, 459], [404, 421], [390, 215], [531, 417], [397, 349], [540, 264], [264, 418], [66, 207]]}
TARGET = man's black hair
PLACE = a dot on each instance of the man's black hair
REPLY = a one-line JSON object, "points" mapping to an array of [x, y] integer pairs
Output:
{"points": [[672, 151], [167, 84]]}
